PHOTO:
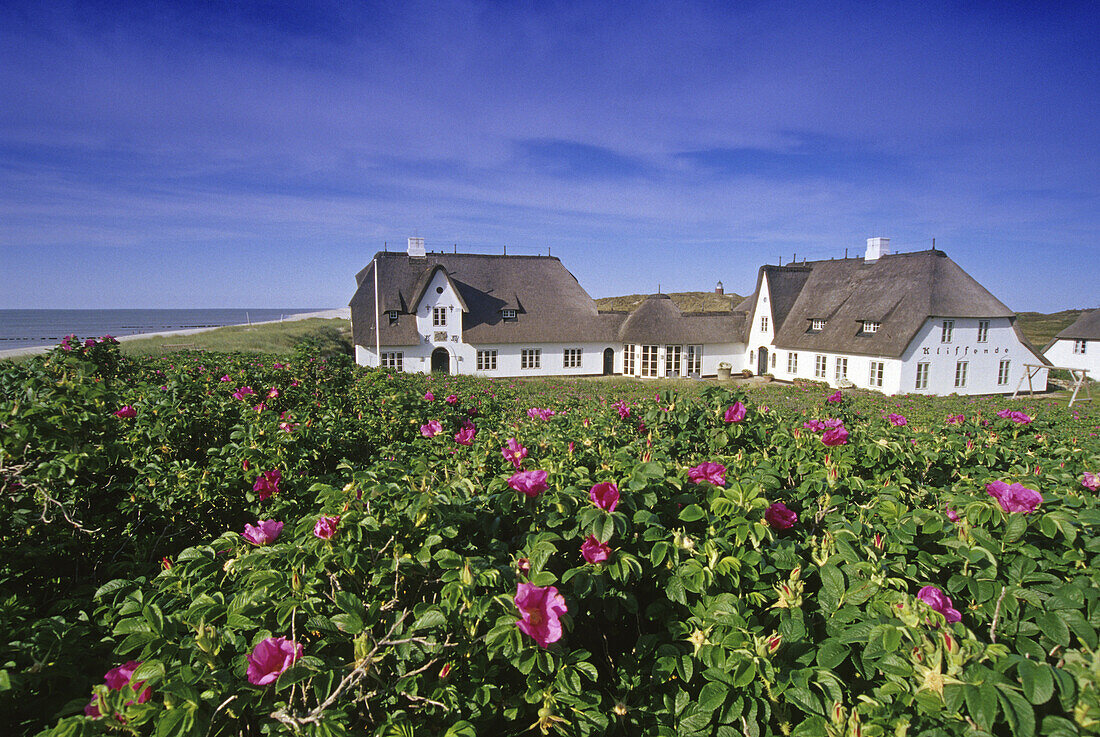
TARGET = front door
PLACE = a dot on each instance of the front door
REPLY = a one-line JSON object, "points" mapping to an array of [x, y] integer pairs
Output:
{"points": [[608, 362], [762, 361], [441, 361]]}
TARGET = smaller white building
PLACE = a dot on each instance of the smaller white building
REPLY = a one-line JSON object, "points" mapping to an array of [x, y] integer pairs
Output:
{"points": [[1078, 346]]}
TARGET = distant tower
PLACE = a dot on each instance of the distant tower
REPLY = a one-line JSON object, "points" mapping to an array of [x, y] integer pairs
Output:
{"points": [[719, 289]]}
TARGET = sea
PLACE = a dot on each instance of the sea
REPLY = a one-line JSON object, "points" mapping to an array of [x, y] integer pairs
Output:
{"points": [[26, 328]]}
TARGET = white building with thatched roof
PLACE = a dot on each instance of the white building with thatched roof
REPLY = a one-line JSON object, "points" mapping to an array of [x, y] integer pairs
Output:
{"points": [[1078, 346], [912, 322]]}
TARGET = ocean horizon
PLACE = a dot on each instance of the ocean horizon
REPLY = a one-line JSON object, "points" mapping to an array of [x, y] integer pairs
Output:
{"points": [[29, 328]]}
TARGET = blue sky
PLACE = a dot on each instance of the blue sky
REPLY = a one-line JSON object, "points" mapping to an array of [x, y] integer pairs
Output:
{"points": [[222, 154]]}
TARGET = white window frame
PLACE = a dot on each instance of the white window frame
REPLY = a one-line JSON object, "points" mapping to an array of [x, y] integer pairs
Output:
{"points": [[673, 359], [962, 368], [922, 375], [393, 360], [1080, 347], [764, 323], [841, 369], [487, 360], [508, 314], [983, 331], [1003, 371], [628, 359], [392, 315], [792, 363], [878, 370], [821, 367], [649, 361], [571, 358], [439, 317], [870, 326], [947, 329], [530, 358], [694, 360], [817, 325]]}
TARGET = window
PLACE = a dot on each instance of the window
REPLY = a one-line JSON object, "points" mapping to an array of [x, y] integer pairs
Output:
{"points": [[530, 358], [775, 357], [392, 361], [673, 355], [960, 373], [764, 323], [694, 360], [628, 360], [508, 314], [1079, 346], [817, 325], [983, 331], [841, 369], [792, 363], [869, 326], [948, 328], [1002, 372], [877, 370], [922, 376], [649, 360], [392, 314], [571, 358], [819, 367], [487, 360], [439, 317]]}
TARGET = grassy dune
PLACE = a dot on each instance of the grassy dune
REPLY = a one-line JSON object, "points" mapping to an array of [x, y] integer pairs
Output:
{"points": [[275, 337], [686, 301]]}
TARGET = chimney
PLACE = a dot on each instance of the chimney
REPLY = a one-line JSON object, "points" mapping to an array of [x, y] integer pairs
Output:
{"points": [[416, 250], [719, 289], [877, 247]]}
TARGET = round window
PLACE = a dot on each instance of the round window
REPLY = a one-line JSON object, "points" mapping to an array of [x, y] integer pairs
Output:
{"points": [[439, 290]]}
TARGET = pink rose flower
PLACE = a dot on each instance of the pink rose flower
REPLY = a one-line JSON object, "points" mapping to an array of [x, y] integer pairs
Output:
{"points": [[835, 436], [273, 394], [126, 412], [735, 413], [714, 473], [92, 709], [939, 601], [270, 659], [429, 397], [431, 429], [531, 483], [243, 392], [897, 420], [1015, 416], [835, 397], [624, 411], [267, 483], [952, 514], [121, 676], [814, 425], [540, 414], [225, 378], [955, 419], [605, 496], [465, 436], [779, 517], [451, 399], [326, 527], [595, 551], [1014, 498], [1090, 481], [540, 609], [266, 531], [514, 452]]}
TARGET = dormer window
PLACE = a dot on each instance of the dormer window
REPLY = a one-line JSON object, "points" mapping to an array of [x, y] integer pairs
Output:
{"points": [[508, 314], [869, 326], [817, 325], [392, 314]]}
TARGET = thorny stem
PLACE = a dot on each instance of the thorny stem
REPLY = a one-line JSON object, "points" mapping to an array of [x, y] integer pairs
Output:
{"points": [[997, 615]]}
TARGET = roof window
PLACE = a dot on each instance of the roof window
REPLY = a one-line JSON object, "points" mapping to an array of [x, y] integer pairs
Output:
{"points": [[870, 326], [508, 314], [817, 325]]}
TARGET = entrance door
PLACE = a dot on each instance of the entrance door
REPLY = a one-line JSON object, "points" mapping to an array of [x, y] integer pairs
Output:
{"points": [[608, 362], [762, 361], [441, 361]]}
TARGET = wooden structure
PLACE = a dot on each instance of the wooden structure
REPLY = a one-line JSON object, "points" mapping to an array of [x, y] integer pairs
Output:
{"points": [[1080, 379]]}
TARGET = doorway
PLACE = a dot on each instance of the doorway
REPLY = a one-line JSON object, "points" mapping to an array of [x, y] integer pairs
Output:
{"points": [[608, 362], [762, 361], [441, 361]]}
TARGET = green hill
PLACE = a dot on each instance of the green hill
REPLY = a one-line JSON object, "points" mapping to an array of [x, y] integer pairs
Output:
{"points": [[1040, 328], [686, 301]]}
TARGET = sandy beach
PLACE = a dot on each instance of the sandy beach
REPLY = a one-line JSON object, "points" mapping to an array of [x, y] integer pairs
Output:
{"points": [[339, 313]]}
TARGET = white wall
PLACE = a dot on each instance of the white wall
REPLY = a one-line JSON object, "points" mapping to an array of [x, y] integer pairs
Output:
{"points": [[758, 336], [859, 369], [1061, 354], [984, 358]]}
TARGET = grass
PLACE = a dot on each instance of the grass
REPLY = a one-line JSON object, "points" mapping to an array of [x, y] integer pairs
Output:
{"points": [[275, 337], [1040, 329]]}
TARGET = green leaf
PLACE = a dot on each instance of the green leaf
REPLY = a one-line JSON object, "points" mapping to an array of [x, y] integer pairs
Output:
{"points": [[461, 729], [150, 670], [692, 513], [1054, 627], [712, 695], [832, 586], [604, 528], [831, 654], [982, 703], [1037, 681], [1014, 530], [350, 623], [430, 618], [1020, 715]]}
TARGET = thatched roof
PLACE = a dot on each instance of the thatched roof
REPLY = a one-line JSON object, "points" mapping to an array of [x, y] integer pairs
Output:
{"points": [[1085, 327], [899, 291], [657, 320]]}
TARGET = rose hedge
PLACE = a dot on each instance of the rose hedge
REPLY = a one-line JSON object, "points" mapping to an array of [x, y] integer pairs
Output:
{"points": [[715, 612]]}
